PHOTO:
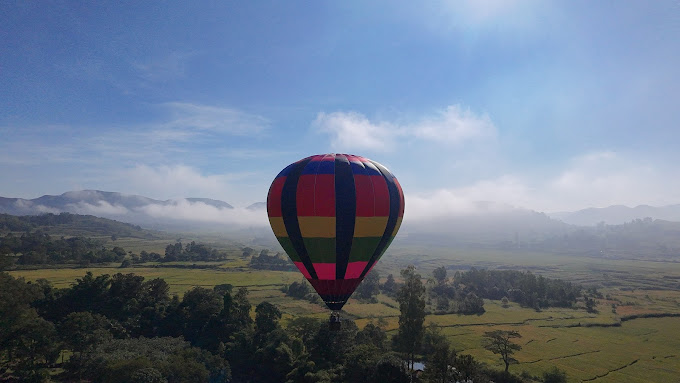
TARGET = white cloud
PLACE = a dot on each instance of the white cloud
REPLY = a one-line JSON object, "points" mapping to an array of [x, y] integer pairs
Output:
{"points": [[506, 192], [205, 118], [605, 178], [354, 130], [28, 205], [453, 125], [596, 179], [202, 212], [179, 181], [98, 209]]}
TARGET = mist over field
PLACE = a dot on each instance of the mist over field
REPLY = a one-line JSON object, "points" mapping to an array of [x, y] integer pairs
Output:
{"points": [[441, 221]]}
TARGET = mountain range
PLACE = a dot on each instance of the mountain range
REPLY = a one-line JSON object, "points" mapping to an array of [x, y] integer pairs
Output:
{"points": [[618, 214], [184, 213], [86, 201], [490, 222]]}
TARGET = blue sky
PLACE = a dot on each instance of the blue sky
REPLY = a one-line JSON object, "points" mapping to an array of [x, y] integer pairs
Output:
{"points": [[545, 105]]}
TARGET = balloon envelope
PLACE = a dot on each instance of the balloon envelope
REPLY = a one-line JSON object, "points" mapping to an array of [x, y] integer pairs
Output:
{"points": [[335, 215]]}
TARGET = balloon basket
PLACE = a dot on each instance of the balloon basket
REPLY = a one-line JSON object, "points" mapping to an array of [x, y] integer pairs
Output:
{"points": [[334, 323]]}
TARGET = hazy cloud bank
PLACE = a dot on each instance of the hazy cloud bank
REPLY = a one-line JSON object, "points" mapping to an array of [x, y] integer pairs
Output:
{"points": [[597, 179], [176, 210], [178, 181], [201, 212]]}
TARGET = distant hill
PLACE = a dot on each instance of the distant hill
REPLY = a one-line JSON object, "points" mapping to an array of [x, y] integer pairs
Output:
{"points": [[257, 206], [485, 225], [638, 239], [78, 201], [72, 225], [210, 202], [618, 214], [178, 214], [495, 226]]}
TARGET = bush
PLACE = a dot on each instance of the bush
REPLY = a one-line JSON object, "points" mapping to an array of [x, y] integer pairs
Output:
{"points": [[555, 376]]}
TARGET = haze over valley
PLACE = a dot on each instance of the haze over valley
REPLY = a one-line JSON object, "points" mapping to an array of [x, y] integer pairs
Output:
{"points": [[532, 145], [643, 232]]}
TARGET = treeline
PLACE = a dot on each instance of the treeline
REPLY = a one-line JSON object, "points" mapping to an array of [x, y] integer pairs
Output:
{"points": [[37, 248], [446, 296], [192, 252], [466, 291], [442, 363], [118, 328], [524, 288], [264, 261], [639, 238], [366, 292], [123, 328], [34, 248], [74, 223]]}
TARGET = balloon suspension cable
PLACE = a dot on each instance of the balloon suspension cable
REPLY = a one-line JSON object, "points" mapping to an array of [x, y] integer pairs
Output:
{"points": [[334, 322]]}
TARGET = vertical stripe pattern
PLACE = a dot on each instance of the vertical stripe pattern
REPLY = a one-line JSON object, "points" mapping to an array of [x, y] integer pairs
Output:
{"points": [[335, 215]]}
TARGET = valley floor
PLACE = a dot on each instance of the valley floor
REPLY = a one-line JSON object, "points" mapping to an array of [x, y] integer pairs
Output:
{"points": [[634, 337]]}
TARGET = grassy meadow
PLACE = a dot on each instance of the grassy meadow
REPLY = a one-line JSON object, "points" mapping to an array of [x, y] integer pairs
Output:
{"points": [[603, 347]]}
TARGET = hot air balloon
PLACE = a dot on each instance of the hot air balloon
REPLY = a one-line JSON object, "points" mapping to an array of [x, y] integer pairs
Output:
{"points": [[335, 215]]}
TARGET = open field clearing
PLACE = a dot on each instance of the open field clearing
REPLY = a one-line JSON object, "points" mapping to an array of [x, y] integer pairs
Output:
{"points": [[619, 343], [179, 279], [639, 350], [598, 271]]}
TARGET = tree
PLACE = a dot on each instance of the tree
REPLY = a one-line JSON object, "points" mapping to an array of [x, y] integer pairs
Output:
{"points": [[439, 274], [329, 346], [266, 318], [305, 329], [440, 365], [148, 375], [590, 305], [5, 259], [500, 342], [467, 367], [390, 286], [372, 335], [241, 309], [369, 287], [81, 331], [432, 339], [411, 300], [390, 369], [131, 360], [34, 346], [27, 341], [360, 362], [299, 290], [555, 375], [200, 310]]}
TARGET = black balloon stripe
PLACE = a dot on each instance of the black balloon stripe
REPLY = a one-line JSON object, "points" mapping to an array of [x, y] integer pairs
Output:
{"points": [[345, 214], [395, 202], [335, 302], [290, 218]]}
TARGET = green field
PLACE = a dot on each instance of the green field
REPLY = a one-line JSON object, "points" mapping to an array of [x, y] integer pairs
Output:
{"points": [[589, 347], [180, 280]]}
